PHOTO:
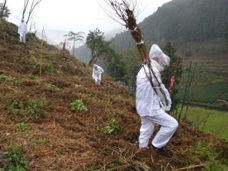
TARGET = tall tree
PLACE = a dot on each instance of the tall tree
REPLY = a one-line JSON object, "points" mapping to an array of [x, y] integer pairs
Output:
{"points": [[96, 43], [172, 74], [132, 64], [75, 37], [115, 65], [4, 11]]}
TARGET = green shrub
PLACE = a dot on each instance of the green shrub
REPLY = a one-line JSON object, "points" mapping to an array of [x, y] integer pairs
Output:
{"points": [[78, 105], [111, 127]]}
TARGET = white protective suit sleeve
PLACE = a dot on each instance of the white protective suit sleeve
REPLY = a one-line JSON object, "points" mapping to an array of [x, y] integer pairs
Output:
{"points": [[161, 90]]}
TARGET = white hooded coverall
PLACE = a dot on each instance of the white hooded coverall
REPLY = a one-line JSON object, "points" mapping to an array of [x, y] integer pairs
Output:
{"points": [[97, 71], [150, 111], [22, 30]]}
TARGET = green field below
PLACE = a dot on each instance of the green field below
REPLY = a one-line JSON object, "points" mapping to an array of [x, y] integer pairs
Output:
{"points": [[209, 121], [206, 93], [210, 95]]}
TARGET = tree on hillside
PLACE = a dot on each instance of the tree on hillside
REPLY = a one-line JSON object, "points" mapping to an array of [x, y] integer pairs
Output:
{"points": [[115, 65], [96, 43], [32, 7], [172, 74], [4, 11], [132, 64], [75, 37]]}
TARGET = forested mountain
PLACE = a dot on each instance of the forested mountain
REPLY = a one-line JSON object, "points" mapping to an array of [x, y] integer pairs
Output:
{"points": [[187, 20]]}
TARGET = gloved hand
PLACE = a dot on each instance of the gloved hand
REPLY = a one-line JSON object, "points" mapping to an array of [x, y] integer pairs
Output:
{"points": [[167, 108], [164, 107]]}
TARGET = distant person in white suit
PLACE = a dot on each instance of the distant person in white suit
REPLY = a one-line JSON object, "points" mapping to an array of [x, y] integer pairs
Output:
{"points": [[22, 30], [97, 71], [149, 102]]}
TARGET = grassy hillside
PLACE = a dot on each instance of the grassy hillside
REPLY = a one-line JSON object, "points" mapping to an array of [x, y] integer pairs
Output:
{"points": [[53, 117]]}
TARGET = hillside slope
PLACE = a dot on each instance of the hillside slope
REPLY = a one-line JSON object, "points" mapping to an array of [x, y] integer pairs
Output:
{"points": [[39, 131]]}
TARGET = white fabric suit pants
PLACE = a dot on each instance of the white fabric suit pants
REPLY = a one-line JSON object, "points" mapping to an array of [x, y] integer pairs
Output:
{"points": [[167, 129], [22, 37]]}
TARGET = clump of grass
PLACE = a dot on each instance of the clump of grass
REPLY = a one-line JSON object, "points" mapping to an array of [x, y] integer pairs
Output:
{"points": [[112, 126], [5, 78], [30, 109], [206, 154], [21, 127], [78, 105], [15, 159]]}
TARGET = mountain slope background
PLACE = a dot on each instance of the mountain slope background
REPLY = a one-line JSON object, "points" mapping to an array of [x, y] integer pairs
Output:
{"points": [[197, 29], [40, 131], [183, 20]]}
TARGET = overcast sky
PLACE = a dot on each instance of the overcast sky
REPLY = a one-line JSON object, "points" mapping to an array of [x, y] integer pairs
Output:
{"points": [[76, 15]]}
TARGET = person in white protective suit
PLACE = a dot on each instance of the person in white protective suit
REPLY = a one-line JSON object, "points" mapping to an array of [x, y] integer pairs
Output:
{"points": [[22, 30], [152, 103], [97, 71]]}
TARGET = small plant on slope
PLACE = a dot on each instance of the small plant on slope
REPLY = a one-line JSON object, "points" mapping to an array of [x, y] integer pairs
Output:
{"points": [[78, 105]]}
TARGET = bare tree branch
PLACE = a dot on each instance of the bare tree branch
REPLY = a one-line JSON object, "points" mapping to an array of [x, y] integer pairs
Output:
{"points": [[117, 10], [123, 11], [32, 8], [24, 8]]}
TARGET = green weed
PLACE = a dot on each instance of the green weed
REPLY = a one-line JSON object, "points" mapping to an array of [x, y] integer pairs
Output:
{"points": [[4, 78], [15, 159], [21, 127], [27, 110], [111, 127], [50, 68], [78, 105]]}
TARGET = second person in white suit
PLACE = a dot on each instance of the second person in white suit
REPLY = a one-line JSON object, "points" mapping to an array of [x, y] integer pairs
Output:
{"points": [[97, 71], [22, 30]]}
